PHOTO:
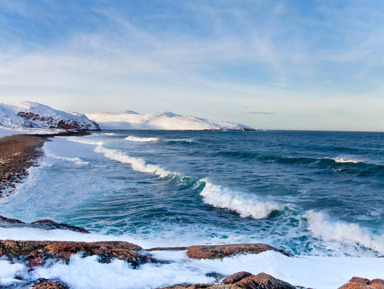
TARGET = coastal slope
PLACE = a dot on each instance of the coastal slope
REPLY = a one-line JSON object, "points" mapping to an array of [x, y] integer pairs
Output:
{"points": [[32, 116], [159, 121]]}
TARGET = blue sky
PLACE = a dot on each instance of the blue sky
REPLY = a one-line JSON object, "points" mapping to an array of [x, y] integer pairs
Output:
{"points": [[269, 64]]}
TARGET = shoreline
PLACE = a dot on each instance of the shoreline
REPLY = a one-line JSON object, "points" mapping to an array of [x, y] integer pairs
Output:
{"points": [[17, 154]]}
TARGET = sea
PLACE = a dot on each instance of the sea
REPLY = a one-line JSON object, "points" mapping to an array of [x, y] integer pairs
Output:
{"points": [[318, 195]]}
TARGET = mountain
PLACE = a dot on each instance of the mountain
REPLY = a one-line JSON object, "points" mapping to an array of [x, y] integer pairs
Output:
{"points": [[35, 116], [159, 121]]}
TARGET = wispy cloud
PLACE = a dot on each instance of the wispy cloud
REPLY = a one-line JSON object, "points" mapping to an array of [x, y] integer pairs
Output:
{"points": [[269, 56]]}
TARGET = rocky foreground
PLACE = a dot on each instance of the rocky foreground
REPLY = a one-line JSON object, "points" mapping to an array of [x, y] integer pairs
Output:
{"points": [[44, 253]]}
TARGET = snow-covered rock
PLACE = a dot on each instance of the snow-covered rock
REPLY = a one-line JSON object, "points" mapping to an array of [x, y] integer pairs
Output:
{"points": [[159, 121], [25, 115]]}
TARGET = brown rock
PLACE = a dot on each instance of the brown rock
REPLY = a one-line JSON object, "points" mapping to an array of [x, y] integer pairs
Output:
{"points": [[49, 224], [36, 252], [236, 277], [263, 281], [377, 283], [201, 286], [220, 251], [48, 284], [360, 280], [356, 285], [363, 283]]}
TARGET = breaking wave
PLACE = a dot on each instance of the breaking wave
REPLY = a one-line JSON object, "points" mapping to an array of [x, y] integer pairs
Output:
{"points": [[76, 160], [321, 226], [141, 139], [85, 141], [138, 164], [243, 204]]}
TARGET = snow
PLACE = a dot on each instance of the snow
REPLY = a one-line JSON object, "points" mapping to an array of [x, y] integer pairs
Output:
{"points": [[159, 121], [32, 117]]}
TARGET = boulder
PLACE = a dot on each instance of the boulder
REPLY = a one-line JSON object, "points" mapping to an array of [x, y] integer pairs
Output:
{"points": [[363, 283], [221, 251], [43, 224], [35, 253], [49, 284], [263, 281], [51, 225], [242, 280], [236, 277]]}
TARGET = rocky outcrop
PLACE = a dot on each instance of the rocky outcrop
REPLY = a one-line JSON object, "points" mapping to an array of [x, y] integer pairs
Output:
{"points": [[34, 120], [363, 283], [51, 225], [242, 280], [49, 284], [221, 251], [43, 224], [36, 253]]}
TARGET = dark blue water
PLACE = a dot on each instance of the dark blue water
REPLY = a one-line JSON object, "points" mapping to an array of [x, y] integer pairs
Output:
{"points": [[311, 193]]}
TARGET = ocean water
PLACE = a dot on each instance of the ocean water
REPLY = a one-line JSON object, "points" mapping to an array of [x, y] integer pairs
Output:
{"points": [[318, 195]]}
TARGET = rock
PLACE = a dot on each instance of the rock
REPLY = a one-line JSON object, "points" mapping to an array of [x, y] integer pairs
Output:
{"points": [[37, 252], [50, 225], [43, 224], [9, 222], [363, 283], [360, 280], [220, 251], [263, 281], [377, 283], [48, 284], [236, 277], [242, 280], [201, 286]]}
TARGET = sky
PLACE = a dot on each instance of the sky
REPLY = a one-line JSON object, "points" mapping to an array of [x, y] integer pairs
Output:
{"points": [[294, 64]]}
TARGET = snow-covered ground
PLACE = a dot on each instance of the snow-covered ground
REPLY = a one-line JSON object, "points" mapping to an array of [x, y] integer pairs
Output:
{"points": [[31, 117], [159, 121]]}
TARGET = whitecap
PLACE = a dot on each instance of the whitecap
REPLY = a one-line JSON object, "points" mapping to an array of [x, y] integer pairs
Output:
{"points": [[321, 226], [75, 160], [244, 204], [138, 164], [142, 139]]}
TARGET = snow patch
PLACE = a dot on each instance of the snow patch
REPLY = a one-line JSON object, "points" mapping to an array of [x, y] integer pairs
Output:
{"points": [[159, 121]]}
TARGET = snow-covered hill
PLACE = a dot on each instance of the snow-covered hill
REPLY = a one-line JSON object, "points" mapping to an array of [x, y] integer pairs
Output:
{"points": [[159, 121], [33, 116]]}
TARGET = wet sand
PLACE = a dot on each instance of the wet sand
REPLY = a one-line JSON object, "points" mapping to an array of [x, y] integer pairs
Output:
{"points": [[17, 154]]}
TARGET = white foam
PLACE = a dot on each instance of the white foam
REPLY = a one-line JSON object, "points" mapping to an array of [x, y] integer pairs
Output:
{"points": [[138, 164], [142, 139], [320, 225], [108, 133], [9, 271], [75, 160], [85, 141], [346, 160], [310, 272], [244, 204]]}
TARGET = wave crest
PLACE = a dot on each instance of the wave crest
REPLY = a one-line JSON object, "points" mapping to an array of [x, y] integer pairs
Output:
{"points": [[245, 205], [138, 164], [320, 225], [141, 139]]}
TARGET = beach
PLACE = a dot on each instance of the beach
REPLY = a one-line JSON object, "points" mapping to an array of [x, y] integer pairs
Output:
{"points": [[17, 154]]}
